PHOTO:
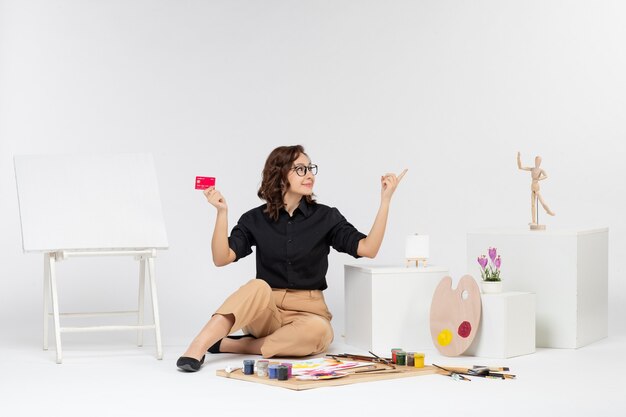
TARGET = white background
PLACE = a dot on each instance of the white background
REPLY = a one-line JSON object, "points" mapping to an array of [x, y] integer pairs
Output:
{"points": [[449, 89]]}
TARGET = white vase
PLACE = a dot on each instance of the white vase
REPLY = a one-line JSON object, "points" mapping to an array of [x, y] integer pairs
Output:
{"points": [[491, 287]]}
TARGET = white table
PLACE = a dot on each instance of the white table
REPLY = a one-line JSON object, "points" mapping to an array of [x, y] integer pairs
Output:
{"points": [[507, 326], [566, 269], [389, 306]]}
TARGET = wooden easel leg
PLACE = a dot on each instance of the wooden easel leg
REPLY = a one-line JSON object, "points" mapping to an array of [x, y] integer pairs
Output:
{"points": [[46, 298], [55, 307], [141, 301], [155, 307]]}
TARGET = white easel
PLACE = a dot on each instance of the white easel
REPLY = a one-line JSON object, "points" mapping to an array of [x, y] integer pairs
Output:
{"points": [[61, 218]]}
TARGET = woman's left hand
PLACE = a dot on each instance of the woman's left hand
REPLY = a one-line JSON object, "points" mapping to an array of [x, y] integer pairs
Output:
{"points": [[389, 183]]}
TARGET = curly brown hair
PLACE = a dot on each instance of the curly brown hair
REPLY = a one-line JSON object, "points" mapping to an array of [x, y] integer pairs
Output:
{"points": [[274, 184]]}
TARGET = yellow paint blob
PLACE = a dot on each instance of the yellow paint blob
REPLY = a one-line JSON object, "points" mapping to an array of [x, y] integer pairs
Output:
{"points": [[445, 337]]}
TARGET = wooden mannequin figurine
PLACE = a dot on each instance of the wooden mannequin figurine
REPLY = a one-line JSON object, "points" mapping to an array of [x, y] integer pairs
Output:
{"points": [[537, 174]]}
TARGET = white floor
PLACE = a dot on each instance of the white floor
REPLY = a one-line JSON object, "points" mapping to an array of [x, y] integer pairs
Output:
{"points": [[114, 380]]}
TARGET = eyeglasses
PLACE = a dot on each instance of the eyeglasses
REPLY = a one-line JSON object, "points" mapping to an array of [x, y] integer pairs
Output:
{"points": [[301, 170]]}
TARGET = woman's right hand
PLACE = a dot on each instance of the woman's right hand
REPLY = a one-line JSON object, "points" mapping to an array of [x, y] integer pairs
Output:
{"points": [[215, 198]]}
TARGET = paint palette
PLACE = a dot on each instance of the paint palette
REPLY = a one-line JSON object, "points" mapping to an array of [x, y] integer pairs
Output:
{"points": [[455, 315]]}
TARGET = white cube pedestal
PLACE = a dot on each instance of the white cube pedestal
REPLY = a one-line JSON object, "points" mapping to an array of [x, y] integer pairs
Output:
{"points": [[567, 271], [507, 326], [388, 307]]}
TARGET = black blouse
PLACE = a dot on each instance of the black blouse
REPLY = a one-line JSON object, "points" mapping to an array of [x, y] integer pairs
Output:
{"points": [[292, 252]]}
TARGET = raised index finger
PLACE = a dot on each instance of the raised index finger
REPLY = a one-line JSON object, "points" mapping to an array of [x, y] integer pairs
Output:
{"points": [[402, 174]]}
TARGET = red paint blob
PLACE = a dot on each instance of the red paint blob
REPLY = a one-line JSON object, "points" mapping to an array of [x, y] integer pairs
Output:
{"points": [[465, 329]]}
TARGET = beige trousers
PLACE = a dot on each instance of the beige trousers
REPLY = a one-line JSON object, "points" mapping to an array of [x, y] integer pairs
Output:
{"points": [[293, 322]]}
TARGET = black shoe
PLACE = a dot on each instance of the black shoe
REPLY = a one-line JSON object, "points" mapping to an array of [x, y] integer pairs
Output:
{"points": [[189, 364], [216, 347]]}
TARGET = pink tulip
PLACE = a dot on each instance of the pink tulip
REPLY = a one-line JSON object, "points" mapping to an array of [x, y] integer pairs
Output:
{"points": [[492, 254], [482, 260], [498, 262]]}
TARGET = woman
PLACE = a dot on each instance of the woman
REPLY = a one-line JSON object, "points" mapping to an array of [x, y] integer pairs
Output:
{"points": [[282, 311]]}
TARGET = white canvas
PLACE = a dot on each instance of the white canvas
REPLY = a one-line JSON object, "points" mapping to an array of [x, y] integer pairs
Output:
{"points": [[89, 202]]}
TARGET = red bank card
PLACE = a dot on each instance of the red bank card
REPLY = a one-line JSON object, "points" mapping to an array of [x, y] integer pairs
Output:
{"points": [[202, 183]]}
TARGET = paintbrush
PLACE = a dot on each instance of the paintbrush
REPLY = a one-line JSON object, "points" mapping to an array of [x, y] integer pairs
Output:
{"points": [[368, 368], [384, 360], [452, 374], [378, 371], [480, 372], [493, 368], [356, 357], [503, 376], [374, 359]]}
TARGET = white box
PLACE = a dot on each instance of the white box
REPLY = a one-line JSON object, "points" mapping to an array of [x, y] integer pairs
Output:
{"points": [[567, 271], [388, 307], [507, 326]]}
